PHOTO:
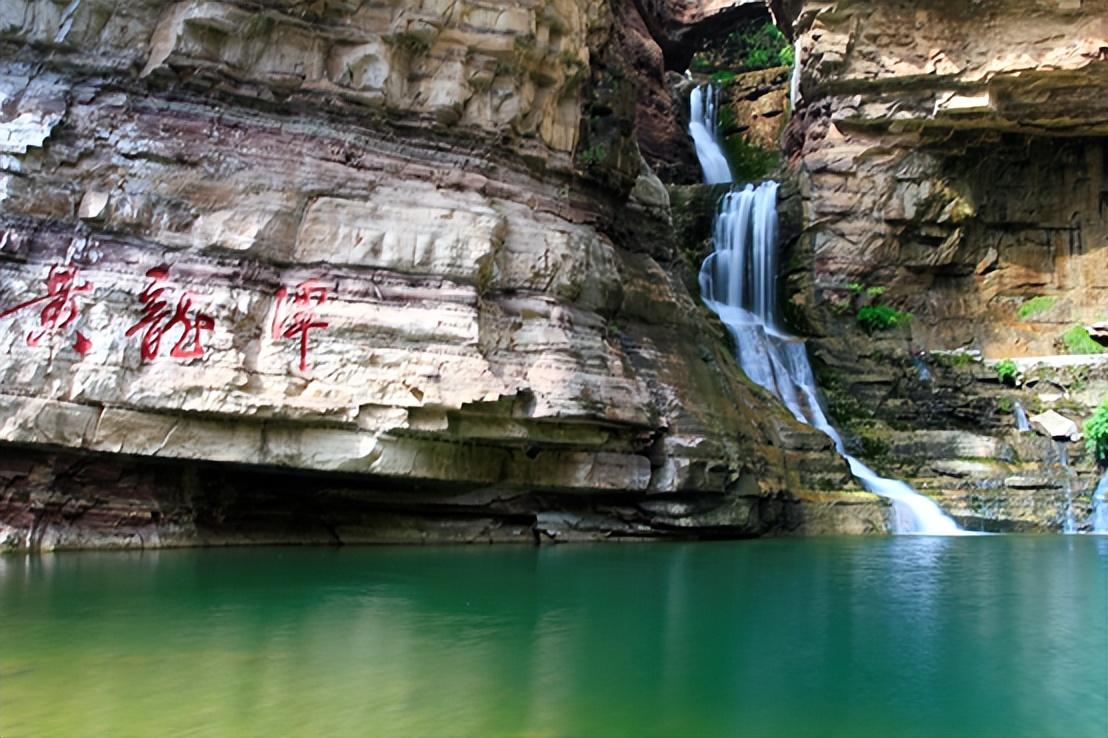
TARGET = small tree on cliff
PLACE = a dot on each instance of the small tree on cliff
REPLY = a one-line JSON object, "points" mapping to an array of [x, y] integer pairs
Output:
{"points": [[1096, 433]]}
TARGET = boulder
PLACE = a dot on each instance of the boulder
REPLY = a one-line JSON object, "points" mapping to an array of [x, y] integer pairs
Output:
{"points": [[1055, 425]]}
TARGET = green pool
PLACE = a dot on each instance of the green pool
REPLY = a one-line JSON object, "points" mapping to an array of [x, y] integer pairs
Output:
{"points": [[979, 636]]}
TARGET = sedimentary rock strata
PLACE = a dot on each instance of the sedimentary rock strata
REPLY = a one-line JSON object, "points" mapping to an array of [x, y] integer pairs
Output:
{"points": [[952, 161], [352, 239], [953, 155]]}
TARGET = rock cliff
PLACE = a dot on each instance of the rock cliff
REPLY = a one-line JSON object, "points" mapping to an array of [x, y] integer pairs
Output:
{"points": [[953, 162], [290, 271], [363, 271]]}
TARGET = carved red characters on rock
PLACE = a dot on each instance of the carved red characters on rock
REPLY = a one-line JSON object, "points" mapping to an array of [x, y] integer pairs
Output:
{"points": [[154, 323], [60, 308], [295, 314]]}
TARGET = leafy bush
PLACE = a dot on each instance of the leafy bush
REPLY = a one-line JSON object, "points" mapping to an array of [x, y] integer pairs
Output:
{"points": [[759, 47], [881, 317], [1006, 371], [1034, 306], [595, 155], [1096, 433], [1004, 404], [722, 78], [700, 63], [758, 59], [875, 291], [786, 57], [1078, 341]]}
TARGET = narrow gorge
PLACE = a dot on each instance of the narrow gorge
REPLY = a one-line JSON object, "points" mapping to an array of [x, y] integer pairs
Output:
{"points": [[556, 270]]}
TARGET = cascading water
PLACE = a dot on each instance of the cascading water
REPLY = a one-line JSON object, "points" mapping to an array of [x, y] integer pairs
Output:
{"points": [[738, 282], [1069, 519], [922, 369], [702, 129], [1021, 418], [1099, 519], [794, 78]]}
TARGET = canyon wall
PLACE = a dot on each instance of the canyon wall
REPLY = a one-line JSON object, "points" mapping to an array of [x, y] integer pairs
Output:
{"points": [[954, 167], [371, 271], [360, 271]]}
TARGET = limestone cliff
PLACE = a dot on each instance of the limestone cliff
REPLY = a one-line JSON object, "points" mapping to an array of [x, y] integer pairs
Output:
{"points": [[339, 270], [953, 162]]}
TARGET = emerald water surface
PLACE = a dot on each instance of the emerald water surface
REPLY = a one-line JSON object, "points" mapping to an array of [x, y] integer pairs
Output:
{"points": [[991, 636]]}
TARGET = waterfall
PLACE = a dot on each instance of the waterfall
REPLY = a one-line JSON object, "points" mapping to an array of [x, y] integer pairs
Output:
{"points": [[1021, 418], [702, 129], [738, 283], [1069, 520], [921, 368], [794, 78], [1100, 506]]}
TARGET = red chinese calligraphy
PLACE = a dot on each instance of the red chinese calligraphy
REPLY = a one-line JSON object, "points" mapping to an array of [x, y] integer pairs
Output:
{"points": [[60, 309], [301, 314], [155, 311]]}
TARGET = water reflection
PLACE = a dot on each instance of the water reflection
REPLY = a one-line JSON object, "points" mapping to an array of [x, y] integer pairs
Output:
{"points": [[902, 636]]}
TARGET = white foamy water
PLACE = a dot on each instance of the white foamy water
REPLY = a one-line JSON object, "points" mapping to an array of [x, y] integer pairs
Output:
{"points": [[738, 282], [1100, 506], [702, 129]]}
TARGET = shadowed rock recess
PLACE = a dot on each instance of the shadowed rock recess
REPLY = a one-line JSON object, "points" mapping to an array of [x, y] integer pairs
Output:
{"points": [[346, 271]]}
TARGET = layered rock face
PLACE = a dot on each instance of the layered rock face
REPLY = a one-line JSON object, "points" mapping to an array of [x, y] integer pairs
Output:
{"points": [[954, 156], [351, 242], [953, 162]]}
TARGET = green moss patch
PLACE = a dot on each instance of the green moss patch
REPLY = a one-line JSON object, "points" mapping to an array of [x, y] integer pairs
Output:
{"points": [[1078, 341], [749, 162], [1034, 306]]}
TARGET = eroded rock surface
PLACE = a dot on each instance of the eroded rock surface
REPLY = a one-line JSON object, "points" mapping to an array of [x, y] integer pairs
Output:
{"points": [[953, 155], [952, 161], [357, 241]]}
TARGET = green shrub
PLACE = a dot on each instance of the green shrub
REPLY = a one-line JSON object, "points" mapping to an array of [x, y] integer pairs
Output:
{"points": [[875, 291], [759, 46], [1096, 433], [1078, 341], [1034, 306], [1004, 404], [758, 59], [1006, 371], [722, 78], [700, 63], [882, 317], [595, 155]]}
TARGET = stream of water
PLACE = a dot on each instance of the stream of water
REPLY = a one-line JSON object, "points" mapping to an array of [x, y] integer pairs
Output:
{"points": [[738, 282], [1100, 506], [703, 130], [1022, 424], [1069, 517]]}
